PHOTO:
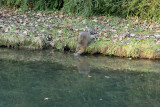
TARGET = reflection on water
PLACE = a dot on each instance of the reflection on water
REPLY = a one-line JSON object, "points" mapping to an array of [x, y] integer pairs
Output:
{"points": [[49, 79], [68, 59], [82, 65]]}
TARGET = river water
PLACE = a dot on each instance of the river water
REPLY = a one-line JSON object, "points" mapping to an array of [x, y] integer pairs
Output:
{"points": [[53, 79]]}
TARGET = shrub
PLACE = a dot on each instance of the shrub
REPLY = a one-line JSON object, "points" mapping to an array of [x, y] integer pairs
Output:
{"points": [[146, 9], [34, 4]]}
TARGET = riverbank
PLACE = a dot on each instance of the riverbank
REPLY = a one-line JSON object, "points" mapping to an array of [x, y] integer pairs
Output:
{"points": [[84, 62], [129, 37]]}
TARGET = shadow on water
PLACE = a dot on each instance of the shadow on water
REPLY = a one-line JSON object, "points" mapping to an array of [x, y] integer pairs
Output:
{"points": [[53, 79]]}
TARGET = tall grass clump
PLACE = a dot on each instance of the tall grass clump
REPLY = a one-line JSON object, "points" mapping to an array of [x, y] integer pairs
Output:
{"points": [[96, 7], [14, 3], [85, 7], [146, 9], [33, 4]]}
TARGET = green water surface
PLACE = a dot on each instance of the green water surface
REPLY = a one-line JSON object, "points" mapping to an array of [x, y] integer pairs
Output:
{"points": [[52, 79]]}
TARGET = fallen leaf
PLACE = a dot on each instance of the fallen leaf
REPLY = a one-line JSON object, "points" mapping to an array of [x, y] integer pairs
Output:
{"points": [[89, 76], [46, 98], [107, 77], [108, 39]]}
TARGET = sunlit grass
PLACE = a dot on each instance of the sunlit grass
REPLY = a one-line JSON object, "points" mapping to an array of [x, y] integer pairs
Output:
{"points": [[64, 34], [14, 41]]}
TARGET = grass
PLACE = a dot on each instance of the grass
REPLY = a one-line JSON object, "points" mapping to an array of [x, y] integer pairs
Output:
{"points": [[14, 41], [66, 30], [134, 49]]}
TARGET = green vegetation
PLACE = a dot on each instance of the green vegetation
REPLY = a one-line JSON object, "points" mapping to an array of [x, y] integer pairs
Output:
{"points": [[14, 41], [134, 49], [146, 9], [116, 36]]}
